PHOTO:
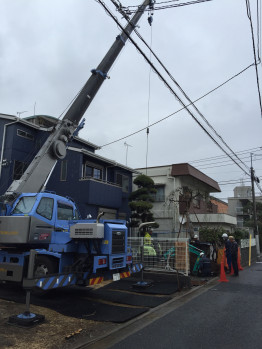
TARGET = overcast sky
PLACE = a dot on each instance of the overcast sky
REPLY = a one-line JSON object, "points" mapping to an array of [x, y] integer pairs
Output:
{"points": [[48, 47]]}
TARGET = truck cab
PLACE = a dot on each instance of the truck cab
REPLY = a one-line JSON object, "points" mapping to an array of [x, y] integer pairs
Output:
{"points": [[35, 218]]}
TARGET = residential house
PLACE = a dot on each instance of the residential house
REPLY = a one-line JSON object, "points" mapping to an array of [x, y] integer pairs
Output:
{"points": [[236, 204], [94, 182], [182, 201]]}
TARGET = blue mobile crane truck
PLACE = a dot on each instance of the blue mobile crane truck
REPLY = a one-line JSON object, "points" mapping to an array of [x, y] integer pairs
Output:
{"points": [[67, 249]]}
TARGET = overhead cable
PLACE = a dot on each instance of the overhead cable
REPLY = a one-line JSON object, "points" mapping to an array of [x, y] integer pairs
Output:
{"points": [[169, 87], [254, 52], [188, 98], [241, 152], [258, 29], [164, 7]]}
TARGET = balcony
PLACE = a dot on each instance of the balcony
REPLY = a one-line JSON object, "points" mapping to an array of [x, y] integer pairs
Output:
{"points": [[213, 218], [239, 210], [102, 193]]}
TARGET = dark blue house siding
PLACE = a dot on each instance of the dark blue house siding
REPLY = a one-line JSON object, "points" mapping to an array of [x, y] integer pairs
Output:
{"points": [[17, 148], [90, 194]]}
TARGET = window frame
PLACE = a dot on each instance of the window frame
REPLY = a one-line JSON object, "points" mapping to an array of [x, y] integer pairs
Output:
{"points": [[26, 199], [25, 134], [94, 168], [59, 212], [63, 168], [161, 197], [124, 177], [24, 167], [52, 210]]}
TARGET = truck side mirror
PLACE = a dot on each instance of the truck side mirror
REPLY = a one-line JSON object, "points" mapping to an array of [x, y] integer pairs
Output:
{"points": [[5, 209]]}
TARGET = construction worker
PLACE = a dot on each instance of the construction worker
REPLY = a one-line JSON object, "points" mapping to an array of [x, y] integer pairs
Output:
{"points": [[195, 241], [228, 250], [234, 254], [204, 265], [148, 237], [151, 246]]}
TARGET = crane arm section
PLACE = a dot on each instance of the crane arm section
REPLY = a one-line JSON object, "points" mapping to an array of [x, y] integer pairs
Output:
{"points": [[54, 148]]}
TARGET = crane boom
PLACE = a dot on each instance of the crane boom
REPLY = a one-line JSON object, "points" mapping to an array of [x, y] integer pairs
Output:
{"points": [[54, 148]]}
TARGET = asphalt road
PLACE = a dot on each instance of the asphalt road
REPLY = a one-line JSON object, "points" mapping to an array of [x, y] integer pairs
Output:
{"points": [[226, 315]]}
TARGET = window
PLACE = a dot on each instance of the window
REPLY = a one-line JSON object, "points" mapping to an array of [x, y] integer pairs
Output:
{"points": [[19, 169], [63, 173], [209, 206], [92, 171], [160, 193], [239, 210], [24, 205], [197, 201], [45, 208], [65, 211], [25, 134], [97, 173], [123, 181]]}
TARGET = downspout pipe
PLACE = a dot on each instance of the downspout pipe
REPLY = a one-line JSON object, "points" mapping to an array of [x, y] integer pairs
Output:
{"points": [[3, 144]]}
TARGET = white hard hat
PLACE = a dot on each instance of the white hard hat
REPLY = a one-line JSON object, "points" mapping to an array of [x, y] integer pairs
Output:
{"points": [[201, 254], [224, 235], [195, 236]]}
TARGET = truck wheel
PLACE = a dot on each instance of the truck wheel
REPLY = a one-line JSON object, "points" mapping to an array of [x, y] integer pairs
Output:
{"points": [[44, 266]]}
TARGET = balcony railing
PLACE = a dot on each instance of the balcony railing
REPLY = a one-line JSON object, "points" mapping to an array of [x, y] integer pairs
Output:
{"points": [[100, 181], [102, 193], [239, 210]]}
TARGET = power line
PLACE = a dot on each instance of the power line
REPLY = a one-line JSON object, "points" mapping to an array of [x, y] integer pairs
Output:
{"points": [[170, 88], [225, 163], [177, 111], [181, 90], [254, 52], [158, 7], [256, 149], [122, 11], [258, 30], [187, 97]]}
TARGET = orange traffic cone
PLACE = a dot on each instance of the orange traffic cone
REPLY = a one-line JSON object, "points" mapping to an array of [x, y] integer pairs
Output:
{"points": [[238, 260], [223, 277]]}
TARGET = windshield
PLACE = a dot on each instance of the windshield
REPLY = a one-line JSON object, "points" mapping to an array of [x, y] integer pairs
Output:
{"points": [[24, 205]]}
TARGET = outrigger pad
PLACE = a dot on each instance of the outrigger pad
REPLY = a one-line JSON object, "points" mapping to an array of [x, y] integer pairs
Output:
{"points": [[26, 319], [142, 284]]}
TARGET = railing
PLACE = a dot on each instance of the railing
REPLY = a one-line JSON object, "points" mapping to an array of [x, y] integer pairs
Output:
{"points": [[89, 178], [169, 255], [239, 210]]}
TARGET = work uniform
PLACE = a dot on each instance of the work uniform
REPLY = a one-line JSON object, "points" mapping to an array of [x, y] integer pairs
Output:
{"points": [[228, 253], [234, 255], [204, 266], [147, 239]]}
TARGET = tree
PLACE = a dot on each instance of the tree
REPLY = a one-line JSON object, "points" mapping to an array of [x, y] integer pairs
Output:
{"points": [[140, 200], [240, 234], [212, 235], [248, 218]]}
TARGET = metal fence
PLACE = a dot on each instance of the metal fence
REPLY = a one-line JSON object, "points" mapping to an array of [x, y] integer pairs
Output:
{"points": [[161, 254]]}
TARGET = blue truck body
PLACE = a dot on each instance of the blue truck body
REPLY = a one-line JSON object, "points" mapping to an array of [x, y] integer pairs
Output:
{"points": [[69, 250]]}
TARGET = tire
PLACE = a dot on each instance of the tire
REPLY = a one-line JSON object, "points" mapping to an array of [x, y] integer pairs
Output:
{"points": [[44, 265]]}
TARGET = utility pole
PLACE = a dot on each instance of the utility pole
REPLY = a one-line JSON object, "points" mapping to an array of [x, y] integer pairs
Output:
{"points": [[256, 233]]}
